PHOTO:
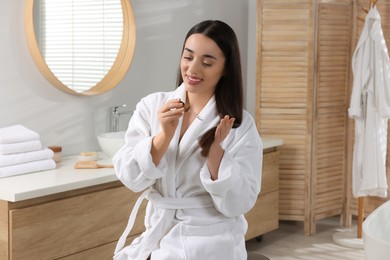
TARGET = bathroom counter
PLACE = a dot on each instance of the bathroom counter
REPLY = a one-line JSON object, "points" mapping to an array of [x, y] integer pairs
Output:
{"points": [[70, 214], [66, 178], [271, 143], [63, 178]]}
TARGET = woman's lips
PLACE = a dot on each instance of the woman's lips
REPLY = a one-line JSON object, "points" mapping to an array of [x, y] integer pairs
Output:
{"points": [[193, 80]]}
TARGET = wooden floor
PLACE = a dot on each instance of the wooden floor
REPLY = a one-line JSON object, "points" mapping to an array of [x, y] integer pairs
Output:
{"points": [[288, 242]]}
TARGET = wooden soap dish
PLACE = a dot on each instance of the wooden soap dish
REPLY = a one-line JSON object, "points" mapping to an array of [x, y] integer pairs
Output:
{"points": [[90, 165]]}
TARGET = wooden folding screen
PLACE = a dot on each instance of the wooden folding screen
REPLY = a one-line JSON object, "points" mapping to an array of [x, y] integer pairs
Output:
{"points": [[303, 56]]}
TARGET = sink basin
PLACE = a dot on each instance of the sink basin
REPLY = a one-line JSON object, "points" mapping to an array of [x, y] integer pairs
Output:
{"points": [[111, 142]]}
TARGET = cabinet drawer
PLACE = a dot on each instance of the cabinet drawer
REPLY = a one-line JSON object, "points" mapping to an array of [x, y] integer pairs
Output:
{"points": [[264, 216], [60, 228]]}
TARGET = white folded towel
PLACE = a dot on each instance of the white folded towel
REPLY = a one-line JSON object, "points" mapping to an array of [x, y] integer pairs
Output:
{"points": [[17, 158], [21, 147], [29, 167], [17, 134]]}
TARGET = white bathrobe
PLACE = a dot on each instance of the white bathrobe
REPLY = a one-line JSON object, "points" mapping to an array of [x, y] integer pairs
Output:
{"points": [[189, 216], [370, 107]]}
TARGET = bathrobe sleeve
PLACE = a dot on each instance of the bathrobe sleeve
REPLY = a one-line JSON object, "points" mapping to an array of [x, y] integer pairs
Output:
{"points": [[361, 71], [239, 178], [133, 162], [382, 72]]}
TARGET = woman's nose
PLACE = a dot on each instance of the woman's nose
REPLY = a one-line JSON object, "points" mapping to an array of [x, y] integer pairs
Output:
{"points": [[194, 67]]}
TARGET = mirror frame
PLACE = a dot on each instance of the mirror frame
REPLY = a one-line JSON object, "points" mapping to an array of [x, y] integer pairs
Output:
{"points": [[113, 76]]}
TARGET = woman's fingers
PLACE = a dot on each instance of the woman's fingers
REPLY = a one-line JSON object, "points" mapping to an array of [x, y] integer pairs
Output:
{"points": [[226, 123], [172, 109], [169, 115], [223, 128]]}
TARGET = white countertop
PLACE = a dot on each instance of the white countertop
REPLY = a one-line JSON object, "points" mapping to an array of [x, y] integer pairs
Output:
{"points": [[271, 142], [65, 178]]}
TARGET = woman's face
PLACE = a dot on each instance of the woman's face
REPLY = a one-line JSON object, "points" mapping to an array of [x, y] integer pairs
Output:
{"points": [[202, 64]]}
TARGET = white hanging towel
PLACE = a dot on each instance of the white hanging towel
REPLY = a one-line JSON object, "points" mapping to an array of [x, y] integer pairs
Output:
{"points": [[370, 107]]}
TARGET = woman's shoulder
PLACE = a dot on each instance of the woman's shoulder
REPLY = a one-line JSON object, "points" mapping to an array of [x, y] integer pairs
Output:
{"points": [[247, 117], [157, 98], [248, 123], [162, 96], [247, 132]]}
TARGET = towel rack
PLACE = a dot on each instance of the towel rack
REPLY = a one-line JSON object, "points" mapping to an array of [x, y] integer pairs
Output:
{"points": [[371, 4]]}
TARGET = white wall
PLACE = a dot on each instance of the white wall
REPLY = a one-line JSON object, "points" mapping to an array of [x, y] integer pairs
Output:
{"points": [[73, 122]]}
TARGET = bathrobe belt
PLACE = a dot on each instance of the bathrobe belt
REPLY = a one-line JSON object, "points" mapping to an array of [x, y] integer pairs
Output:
{"points": [[170, 205]]}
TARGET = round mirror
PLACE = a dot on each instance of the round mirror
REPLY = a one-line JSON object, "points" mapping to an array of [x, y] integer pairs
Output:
{"points": [[82, 47]]}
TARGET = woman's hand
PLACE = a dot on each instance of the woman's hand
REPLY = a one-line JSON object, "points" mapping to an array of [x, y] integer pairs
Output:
{"points": [[169, 116], [216, 151], [223, 129]]}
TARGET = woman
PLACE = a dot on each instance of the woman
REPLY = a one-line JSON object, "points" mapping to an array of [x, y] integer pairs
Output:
{"points": [[197, 154]]}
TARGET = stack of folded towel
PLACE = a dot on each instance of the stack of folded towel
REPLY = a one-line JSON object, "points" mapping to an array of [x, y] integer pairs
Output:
{"points": [[21, 152]]}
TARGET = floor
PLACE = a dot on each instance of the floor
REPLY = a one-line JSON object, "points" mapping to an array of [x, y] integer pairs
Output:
{"points": [[288, 242]]}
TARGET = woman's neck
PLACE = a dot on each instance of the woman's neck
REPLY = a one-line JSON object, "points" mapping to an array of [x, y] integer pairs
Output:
{"points": [[197, 101]]}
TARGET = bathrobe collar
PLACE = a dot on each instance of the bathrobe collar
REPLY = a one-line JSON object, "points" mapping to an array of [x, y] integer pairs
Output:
{"points": [[209, 119]]}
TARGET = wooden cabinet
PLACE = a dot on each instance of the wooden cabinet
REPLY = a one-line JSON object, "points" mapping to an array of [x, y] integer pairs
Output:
{"points": [[86, 223], [264, 216], [78, 224]]}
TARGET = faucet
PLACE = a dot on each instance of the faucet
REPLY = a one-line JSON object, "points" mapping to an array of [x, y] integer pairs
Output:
{"points": [[115, 113]]}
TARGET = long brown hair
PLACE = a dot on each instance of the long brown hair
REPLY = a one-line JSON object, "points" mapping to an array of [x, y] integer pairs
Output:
{"points": [[229, 90]]}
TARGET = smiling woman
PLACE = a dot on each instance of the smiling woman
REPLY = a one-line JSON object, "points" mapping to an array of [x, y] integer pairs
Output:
{"points": [[82, 47]]}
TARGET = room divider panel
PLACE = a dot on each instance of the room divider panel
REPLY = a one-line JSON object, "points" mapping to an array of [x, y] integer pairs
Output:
{"points": [[303, 74]]}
